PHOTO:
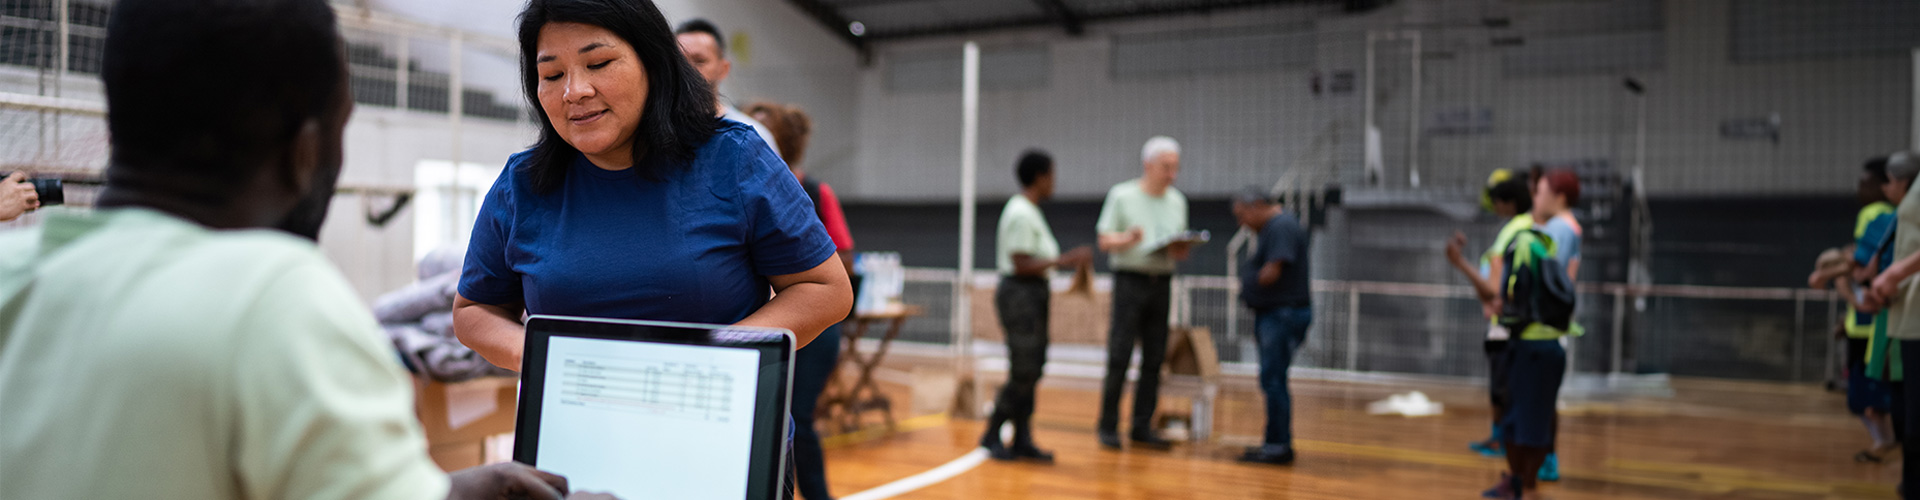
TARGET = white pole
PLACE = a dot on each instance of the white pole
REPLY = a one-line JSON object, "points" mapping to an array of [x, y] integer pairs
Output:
{"points": [[62, 50], [1413, 114], [963, 280]]}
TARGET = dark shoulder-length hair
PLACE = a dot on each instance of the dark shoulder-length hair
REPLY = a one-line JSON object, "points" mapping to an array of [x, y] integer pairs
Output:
{"points": [[679, 116]]}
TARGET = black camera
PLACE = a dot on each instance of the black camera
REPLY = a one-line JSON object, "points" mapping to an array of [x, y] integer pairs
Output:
{"points": [[51, 191]]}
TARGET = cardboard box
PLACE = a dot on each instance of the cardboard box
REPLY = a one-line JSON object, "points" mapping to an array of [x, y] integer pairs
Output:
{"points": [[459, 418]]}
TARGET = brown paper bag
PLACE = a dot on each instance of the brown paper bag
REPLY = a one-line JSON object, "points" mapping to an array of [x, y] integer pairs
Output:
{"points": [[1082, 280]]}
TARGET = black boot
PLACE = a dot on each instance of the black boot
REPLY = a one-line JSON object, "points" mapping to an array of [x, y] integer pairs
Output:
{"points": [[1144, 437], [1110, 439], [991, 438], [1023, 446]]}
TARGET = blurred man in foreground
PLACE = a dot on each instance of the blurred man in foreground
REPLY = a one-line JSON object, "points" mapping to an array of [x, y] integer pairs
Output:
{"points": [[187, 339]]}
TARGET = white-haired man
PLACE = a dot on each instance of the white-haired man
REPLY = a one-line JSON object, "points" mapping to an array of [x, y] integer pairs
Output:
{"points": [[1139, 211]]}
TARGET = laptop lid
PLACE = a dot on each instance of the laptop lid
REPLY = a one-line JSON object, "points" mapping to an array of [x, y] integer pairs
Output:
{"points": [[645, 409]]}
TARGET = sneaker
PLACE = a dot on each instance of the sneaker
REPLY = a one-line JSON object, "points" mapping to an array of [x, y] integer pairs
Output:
{"points": [[1488, 448], [1031, 452], [995, 448], [1260, 455], [1150, 441], [1508, 489], [1550, 470], [1110, 440]]}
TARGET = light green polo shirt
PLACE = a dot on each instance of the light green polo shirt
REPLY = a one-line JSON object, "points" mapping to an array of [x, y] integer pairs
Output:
{"points": [[1023, 230], [143, 356], [1903, 313], [1158, 217]]}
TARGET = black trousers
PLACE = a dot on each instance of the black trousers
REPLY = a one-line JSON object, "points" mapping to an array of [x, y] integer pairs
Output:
{"points": [[1023, 304], [1497, 377], [1139, 316], [1905, 421]]}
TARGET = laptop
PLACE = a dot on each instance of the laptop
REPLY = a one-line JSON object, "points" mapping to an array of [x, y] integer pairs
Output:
{"points": [[643, 409]]}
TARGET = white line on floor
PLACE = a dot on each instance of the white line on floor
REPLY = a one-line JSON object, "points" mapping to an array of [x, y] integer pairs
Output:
{"points": [[929, 478]]}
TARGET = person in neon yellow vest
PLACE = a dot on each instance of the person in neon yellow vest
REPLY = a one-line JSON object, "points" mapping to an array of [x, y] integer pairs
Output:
{"points": [[1508, 198]]}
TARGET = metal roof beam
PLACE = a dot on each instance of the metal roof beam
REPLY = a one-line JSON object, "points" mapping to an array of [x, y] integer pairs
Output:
{"points": [[1060, 13], [1082, 19]]}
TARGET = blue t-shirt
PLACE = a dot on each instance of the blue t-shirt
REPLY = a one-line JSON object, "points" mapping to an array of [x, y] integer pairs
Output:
{"points": [[1566, 241], [697, 246], [1874, 239]]}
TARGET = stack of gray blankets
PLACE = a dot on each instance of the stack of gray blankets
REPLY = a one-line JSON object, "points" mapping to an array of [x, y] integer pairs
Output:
{"points": [[419, 321]]}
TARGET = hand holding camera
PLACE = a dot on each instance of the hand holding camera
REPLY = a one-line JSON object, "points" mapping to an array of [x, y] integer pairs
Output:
{"points": [[19, 196]]}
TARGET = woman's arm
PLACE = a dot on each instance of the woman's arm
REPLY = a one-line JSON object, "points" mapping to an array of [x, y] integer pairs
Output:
{"points": [[1483, 287], [494, 331], [806, 302]]}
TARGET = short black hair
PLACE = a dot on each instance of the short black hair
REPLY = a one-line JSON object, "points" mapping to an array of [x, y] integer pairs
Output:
{"points": [[1033, 164], [679, 116], [210, 89], [1512, 191], [1877, 169], [698, 25]]}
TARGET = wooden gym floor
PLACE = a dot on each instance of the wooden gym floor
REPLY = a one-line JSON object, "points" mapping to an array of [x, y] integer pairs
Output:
{"points": [[1712, 440]]}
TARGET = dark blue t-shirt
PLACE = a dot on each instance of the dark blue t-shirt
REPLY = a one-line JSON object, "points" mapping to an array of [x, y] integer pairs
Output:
{"points": [[697, 246], [1281, 240]]}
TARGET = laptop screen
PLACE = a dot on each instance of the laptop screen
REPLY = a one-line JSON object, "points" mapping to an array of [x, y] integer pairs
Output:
{"points": [[649, 420]]}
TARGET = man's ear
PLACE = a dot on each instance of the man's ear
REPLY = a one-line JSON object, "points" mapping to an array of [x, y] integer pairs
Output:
{"points": [[726, 68], [302, 158]]}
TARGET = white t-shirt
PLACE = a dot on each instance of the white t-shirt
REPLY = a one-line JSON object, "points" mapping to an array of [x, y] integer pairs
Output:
{"points": [[758, 128], [143, 356]]}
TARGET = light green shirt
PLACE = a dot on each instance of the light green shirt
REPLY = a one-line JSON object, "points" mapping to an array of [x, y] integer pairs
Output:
{"points": [[1160, 217], [143, 356], [1903, 313], [1023, 230]]}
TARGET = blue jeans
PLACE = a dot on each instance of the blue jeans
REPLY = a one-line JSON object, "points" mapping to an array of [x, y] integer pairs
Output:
{"points": [[1280, 331], [812, 365]]}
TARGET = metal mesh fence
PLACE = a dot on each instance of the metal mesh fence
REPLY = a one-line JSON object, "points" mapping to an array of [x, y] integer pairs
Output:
{"points": [[50, 120], [401, 68], [1439, 330], [51, 103]]}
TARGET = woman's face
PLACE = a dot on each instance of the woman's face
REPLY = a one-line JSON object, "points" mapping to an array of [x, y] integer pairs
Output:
{"points": [[593, 88], [1546, 203]]}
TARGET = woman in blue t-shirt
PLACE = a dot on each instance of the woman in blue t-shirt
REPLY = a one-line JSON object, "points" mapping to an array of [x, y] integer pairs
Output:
{"points": [[638, 202]]}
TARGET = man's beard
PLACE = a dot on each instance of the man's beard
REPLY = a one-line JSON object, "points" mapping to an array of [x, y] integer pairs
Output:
{"points": [[310, 214]]}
